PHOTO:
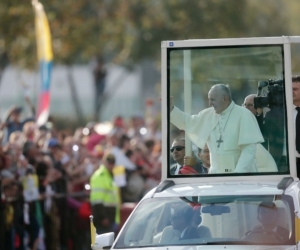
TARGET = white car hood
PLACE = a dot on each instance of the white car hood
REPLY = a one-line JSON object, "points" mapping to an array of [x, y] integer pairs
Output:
{"points": [[218, 247]]}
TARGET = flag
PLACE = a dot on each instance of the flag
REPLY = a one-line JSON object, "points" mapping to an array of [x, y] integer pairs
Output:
{"points": [[45, 57]]}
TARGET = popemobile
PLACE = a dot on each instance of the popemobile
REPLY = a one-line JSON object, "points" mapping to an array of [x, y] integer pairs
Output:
{"points": [[233, 98]]}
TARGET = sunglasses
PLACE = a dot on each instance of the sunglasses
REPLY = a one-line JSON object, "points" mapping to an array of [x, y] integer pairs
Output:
{"points": [[178, 148]]}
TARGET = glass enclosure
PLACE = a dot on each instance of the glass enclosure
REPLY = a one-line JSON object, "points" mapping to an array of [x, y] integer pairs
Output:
{"points": [[231, 220], [227, 111]]}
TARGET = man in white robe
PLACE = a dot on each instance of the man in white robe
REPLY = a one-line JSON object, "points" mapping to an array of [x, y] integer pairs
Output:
{"points": [[230, 131]]}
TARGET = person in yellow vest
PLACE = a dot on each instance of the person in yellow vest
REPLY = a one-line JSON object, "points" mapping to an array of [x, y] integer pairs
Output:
{"points": [[104, 197]]}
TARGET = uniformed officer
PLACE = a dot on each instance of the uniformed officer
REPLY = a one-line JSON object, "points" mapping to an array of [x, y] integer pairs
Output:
{"points": [[104, 197]]}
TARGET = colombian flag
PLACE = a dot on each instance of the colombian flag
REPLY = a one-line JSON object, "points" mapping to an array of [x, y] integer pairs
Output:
{"points": [[45, 57]]}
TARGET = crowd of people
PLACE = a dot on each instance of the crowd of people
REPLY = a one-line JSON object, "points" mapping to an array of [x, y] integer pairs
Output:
{"points": [[45, 176]]}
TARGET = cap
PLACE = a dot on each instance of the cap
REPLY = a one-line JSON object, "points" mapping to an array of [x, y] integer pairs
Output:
{"points": [[53, 142]]}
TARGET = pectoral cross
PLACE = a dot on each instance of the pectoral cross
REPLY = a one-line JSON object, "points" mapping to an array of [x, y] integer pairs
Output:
{"points": [[219, 141]]}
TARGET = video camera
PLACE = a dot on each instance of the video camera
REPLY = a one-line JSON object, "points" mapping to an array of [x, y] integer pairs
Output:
{"points": [[275, 94]]}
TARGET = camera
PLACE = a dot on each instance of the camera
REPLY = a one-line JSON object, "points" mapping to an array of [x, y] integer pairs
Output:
{"points": [[274, 96]]}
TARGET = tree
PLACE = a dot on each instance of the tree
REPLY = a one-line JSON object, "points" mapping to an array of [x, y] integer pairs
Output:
{"points": [[126, 32]]}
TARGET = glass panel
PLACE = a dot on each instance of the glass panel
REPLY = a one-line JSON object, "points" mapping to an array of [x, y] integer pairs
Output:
{"points": [[242, 220], [229, 108]]}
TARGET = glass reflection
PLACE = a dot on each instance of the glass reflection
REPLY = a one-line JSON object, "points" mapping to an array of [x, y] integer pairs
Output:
{"points": [[229, 103]]}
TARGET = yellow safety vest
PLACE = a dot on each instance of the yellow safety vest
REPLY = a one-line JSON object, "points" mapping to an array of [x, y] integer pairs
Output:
{"points": [[104, 190]]}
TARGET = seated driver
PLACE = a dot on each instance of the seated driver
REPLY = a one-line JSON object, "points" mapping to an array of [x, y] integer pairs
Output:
{"points": [[268, 216], [181, 222]]}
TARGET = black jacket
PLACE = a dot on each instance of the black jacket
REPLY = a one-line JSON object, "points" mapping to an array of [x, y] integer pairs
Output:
{"points": [[190, 233]]}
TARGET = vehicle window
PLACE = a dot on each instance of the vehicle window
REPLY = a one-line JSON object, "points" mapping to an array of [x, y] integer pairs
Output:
{"points": [[208, 220], [228, 110]]}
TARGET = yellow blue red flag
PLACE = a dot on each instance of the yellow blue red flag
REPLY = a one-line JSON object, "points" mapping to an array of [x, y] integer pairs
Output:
{"points": [[45, 57]]}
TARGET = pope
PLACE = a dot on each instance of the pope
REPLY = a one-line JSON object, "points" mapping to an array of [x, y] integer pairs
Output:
{"points": [[230, 131]]}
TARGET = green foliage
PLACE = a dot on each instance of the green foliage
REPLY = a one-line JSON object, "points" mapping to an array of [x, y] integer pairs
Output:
{"points": [[129, 31], [17, 35]]}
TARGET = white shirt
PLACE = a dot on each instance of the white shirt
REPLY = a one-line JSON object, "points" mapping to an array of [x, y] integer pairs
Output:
{"points": [[182, 234], [122, 159], [177, 166]]}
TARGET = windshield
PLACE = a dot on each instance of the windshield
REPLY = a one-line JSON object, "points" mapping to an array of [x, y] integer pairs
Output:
{"points": [[227, 110], [200, 220]]}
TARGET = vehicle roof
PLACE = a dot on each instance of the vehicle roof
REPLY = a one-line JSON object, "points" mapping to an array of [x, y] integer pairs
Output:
{"points": [[217, 188]]}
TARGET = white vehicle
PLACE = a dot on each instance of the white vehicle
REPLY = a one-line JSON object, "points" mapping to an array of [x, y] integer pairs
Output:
{"points": [[224, 208]]}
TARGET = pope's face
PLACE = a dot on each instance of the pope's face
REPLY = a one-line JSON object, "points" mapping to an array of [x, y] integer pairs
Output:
{"points": [[217, 100]]}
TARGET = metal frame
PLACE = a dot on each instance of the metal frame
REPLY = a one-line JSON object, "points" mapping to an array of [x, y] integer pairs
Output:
{"points": [[285, 41]]}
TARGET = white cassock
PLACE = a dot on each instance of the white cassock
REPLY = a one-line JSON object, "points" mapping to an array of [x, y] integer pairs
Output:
{"points": [[264, 160], [240, 134]]}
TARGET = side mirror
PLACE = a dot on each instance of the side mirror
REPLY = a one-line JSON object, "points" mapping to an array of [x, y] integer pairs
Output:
{"points": [[104, 241]]}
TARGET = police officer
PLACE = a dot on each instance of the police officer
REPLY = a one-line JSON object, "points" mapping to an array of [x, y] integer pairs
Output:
{"points": [[104, 197]]}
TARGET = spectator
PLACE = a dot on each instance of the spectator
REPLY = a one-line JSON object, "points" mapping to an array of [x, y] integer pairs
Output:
{"points": [[205, 159], [119, 126], [92, 138], [118, 146], [29, 131], [58, 174], [60, 188], [13, 120], [104, 197], [137, 128], [134, 188], [32, 209], [152, 164], [153, 130]]}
